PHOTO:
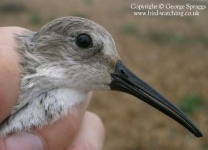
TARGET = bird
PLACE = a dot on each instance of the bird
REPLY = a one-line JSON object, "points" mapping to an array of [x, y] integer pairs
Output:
{"points": [[61, 63]]}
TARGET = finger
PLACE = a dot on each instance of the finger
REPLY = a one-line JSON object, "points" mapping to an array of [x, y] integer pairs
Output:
{"points": [[9, 70], [59, 135], [91, 134]]}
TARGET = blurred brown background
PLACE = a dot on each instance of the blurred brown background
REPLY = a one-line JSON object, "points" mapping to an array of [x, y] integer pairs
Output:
{"points": [[170, 53]]}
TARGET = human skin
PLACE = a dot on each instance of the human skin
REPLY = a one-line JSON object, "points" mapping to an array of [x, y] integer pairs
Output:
{"points": [[77, 131]]}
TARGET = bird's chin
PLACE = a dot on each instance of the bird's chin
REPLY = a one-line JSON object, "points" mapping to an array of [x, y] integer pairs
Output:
{"points": [[100, 86]]}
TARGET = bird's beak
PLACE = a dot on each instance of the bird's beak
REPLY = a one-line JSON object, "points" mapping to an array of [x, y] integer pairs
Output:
{"points": [[124, 80]]}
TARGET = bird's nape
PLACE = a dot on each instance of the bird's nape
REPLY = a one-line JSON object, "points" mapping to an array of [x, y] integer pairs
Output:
{"points": [[124, 80]]}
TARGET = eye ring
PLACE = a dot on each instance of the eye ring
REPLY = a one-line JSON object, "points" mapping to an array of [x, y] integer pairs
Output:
{"points": [[83, 41]]}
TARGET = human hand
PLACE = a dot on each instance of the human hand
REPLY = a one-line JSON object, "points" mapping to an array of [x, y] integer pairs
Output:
{"points": [[76, 131]]}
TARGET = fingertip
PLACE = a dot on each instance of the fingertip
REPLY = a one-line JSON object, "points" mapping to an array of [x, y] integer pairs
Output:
{"points": [[22, 141], [96, 121], [91, 134]]}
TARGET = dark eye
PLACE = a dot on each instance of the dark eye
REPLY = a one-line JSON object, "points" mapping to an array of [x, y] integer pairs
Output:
{"points": [[84, 41]]}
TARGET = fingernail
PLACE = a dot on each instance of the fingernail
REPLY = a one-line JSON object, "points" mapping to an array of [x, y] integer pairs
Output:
{"points": [[24, 141]]}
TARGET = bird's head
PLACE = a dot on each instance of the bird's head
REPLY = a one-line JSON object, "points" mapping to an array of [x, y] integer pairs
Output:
{"points": [[84, 57], [84, 51]]}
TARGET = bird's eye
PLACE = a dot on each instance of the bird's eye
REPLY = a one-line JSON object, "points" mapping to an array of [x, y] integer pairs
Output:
{"points": [[84, 41]]}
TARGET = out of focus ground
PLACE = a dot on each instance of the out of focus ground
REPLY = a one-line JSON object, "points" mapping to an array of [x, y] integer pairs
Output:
{"points": [[170, 53]]}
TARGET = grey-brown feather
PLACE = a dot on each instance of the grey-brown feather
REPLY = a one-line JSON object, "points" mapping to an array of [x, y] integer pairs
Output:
{"points": [[56, 74]]}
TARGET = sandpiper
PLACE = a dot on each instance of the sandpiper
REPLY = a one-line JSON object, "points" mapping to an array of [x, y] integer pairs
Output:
{"points": [[61, 63]]}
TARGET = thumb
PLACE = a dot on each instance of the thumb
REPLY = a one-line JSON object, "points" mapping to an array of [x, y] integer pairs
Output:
{"points": [[22, 141]]}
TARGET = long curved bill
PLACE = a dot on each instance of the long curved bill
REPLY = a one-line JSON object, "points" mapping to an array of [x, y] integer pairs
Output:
{"points": [[124, 80]]}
